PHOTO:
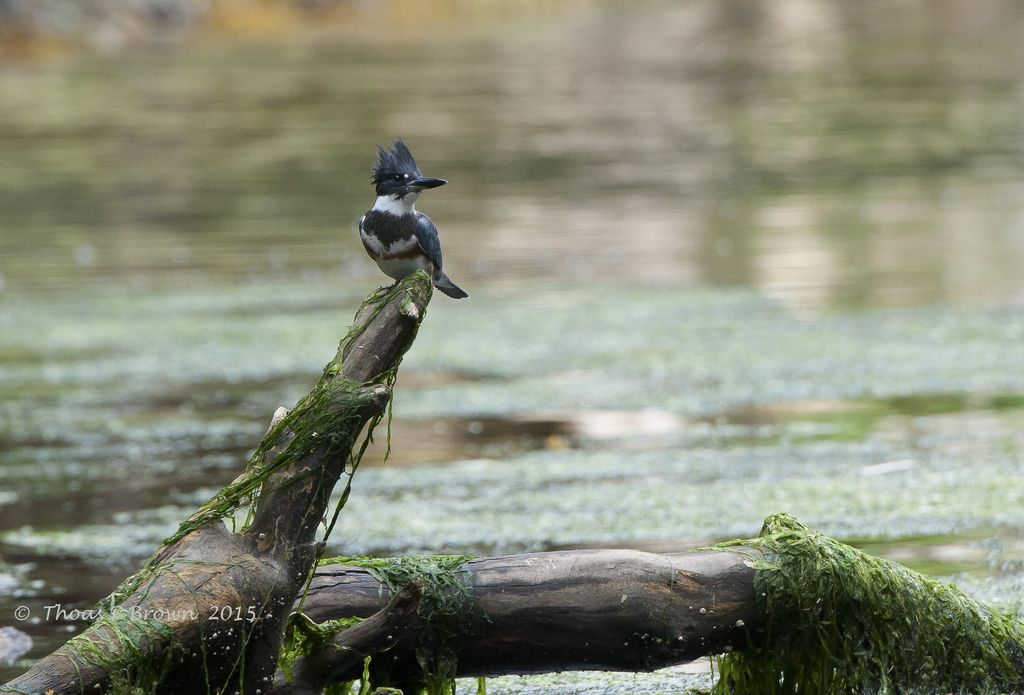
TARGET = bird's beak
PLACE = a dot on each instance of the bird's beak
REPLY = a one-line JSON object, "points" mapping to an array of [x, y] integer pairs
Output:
{"points": [[423, 182]]}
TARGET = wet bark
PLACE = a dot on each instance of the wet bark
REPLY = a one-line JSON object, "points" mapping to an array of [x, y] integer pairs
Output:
{"points": [[393, 626], [210, 615], [616, 610]]}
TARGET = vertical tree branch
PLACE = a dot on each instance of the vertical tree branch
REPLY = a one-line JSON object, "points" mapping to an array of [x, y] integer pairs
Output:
{"points": [[208, 611]]}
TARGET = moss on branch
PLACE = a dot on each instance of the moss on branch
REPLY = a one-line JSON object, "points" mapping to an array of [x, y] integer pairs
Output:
{"points": [[834, 620]]}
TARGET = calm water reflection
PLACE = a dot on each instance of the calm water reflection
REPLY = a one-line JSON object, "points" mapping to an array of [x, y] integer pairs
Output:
{"points": [[829, 153]]}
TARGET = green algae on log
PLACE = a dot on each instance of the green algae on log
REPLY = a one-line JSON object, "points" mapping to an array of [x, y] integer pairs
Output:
{"points": [[315, 653], [796, 612], [443, 611], [834, 620], [214, 601], [608, 610]]}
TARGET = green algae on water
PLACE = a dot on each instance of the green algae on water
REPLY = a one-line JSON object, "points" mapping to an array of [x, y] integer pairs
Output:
{"points": [[834, 620]]}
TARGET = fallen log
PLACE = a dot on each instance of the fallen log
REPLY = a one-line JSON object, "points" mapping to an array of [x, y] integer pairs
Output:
{"points": [[207, 613], [572, 610], [618, 610], [792, 610]]}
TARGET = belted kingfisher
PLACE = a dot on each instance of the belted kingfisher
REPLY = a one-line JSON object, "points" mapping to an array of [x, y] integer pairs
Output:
{"points": [[396, 236]]}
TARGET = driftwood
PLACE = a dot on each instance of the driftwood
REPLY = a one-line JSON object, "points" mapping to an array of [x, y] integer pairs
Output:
{"points": [[616, 610], [791, 606], [209, 612]]}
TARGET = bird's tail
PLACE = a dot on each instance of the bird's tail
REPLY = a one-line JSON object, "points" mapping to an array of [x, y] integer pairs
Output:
{"points": [[444, 283]]}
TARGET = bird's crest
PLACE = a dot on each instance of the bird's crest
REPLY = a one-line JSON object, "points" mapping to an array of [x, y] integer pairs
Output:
{"points": [[398, 161]]}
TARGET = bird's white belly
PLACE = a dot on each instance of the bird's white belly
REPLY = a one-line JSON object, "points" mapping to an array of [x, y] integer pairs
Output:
{"points": [[398, 268]]}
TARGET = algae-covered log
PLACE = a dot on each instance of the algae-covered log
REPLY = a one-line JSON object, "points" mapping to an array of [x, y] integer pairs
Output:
{"points": [[794, 611], [617, 610], [207, 612], [832, 619]]}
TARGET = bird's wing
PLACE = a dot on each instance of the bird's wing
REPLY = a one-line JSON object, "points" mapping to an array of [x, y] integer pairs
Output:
{"points": [[430, 242]]}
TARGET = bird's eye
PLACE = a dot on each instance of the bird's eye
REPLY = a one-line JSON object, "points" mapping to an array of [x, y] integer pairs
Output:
{"points": [[397, 177]]}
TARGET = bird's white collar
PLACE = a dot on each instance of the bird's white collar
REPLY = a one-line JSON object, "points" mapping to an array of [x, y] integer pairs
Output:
{"points": [[394, 205]]}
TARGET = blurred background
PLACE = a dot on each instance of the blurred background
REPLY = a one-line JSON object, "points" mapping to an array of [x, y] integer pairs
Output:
{"points": [[725, 258]]}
